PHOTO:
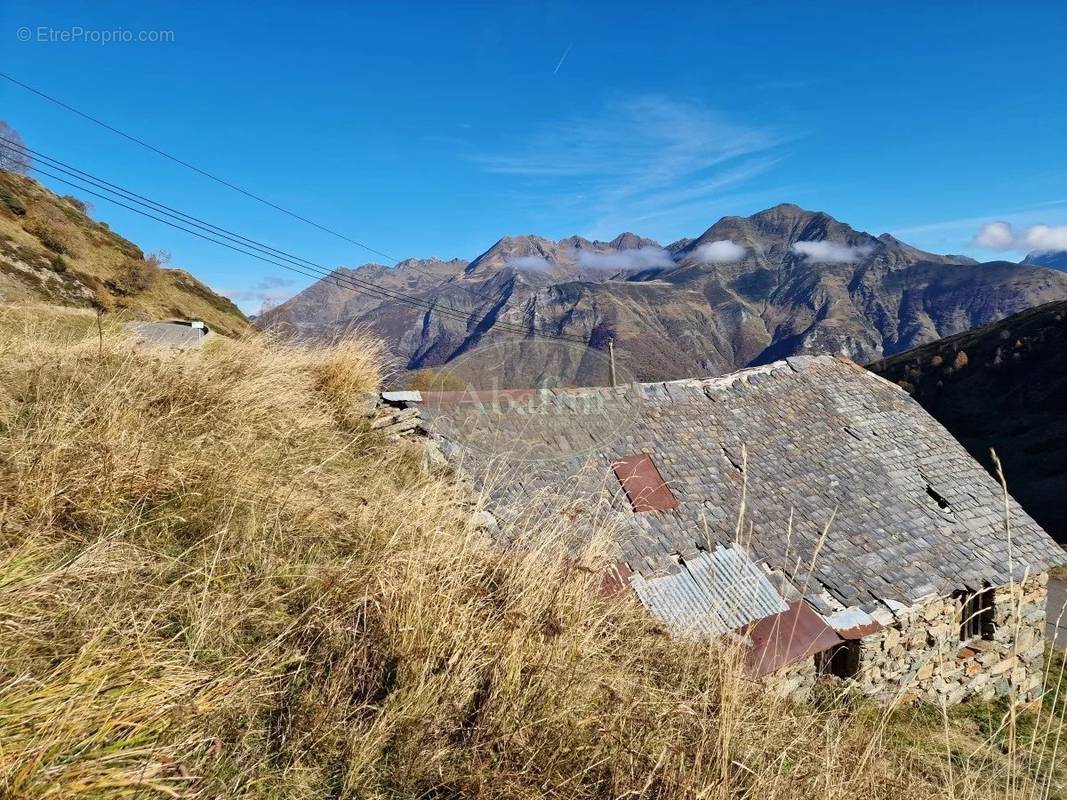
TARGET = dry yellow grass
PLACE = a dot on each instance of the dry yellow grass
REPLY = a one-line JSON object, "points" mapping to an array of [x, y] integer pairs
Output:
{"points": [[216, 582]]}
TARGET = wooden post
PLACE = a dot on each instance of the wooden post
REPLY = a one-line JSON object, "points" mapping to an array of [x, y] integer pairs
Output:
{"points": [[611, 361]]}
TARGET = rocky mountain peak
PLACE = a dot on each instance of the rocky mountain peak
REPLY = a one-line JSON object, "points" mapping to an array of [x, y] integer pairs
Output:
{"points": [[631, 241], [1047, 258]]}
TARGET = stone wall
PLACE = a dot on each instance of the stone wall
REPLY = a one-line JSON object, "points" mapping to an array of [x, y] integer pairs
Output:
{"points": [[920, 655], [794, 681]]}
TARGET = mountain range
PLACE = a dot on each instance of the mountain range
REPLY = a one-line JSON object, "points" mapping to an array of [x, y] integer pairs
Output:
{"points": [[748, 290]]}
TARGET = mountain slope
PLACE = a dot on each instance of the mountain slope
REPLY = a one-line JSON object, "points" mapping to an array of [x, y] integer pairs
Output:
{"points": [[1002, 386], [51, 251], [1052, 259], [329, 306], [746, 291]]}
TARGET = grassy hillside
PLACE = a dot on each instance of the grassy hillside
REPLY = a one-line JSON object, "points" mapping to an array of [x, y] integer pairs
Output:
{"points": [[51, 251], [215, 581], [1003, 386]]}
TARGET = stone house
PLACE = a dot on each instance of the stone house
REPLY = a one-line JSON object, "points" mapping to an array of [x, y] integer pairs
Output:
{"points": [[807, 506]]}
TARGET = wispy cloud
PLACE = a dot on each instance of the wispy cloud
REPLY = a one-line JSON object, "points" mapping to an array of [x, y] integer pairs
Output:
{"points": [[723, 251], [831, 252], [625, 260], [1003, 236], [635, 159], [528, 263], [1018, 216], [563, 58], [271, 290]]}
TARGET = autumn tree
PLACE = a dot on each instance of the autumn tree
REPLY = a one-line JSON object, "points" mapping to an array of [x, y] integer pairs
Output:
{"points": [[13, 156]]}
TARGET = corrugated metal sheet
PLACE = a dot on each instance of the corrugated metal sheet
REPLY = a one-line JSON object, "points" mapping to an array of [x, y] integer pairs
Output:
{"points": [[711, 593], [643, 484], [781, 639]]}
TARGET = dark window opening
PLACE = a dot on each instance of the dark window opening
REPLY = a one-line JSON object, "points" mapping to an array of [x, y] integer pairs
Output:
{"points": [[976, 615], [645, 488], [842, 661], [942, 503]]}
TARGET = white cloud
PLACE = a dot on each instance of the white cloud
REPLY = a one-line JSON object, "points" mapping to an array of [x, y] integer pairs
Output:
{"points": [[723, 251], [635, 158], [625, 260], [530, 263], [996, 236], [1002, 236], [831, 252], [1046, 237]]}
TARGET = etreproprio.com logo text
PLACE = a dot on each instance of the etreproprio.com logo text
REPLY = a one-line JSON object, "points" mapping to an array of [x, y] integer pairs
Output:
{"points": [[76, 34]]}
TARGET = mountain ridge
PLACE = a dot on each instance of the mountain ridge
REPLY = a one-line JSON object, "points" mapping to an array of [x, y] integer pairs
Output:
{"points": [[780, 282], [1053, 259]]}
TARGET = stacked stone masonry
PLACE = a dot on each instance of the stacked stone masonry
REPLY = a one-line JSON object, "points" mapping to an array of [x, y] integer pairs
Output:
{"points": [[795, 681], [920, 656]]}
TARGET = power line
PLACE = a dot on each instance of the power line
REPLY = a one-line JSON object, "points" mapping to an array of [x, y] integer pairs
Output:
{"points": [[193, 167], [322, 273], [242, 241], [224, 182], [252, 248]]}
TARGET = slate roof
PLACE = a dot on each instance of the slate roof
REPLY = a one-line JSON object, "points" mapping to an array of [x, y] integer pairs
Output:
{"points": [[845, 477]]}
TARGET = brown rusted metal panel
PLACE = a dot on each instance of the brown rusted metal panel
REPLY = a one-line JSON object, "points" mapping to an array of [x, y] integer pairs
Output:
{"points": [[859, 631], [642, 483], [782, 639], [615, 580]]}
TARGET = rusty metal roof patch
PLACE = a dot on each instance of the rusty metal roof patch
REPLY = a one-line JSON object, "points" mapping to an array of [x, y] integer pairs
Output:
{"points": [[782, 639], [853, 623], [644, 487]]}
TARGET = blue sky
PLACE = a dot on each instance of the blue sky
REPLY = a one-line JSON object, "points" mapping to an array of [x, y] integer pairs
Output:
{"points": [[433, 129]]}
